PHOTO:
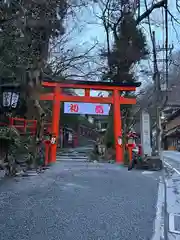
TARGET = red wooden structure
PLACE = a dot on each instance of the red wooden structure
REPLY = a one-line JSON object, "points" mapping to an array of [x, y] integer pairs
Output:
{"points": [[132, 137], [24, 126], [116, 98]]}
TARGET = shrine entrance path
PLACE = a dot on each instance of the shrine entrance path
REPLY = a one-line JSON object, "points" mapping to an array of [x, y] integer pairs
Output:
{"points": [[79, 201]]}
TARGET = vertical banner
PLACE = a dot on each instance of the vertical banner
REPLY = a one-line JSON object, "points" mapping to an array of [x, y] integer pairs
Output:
{"points": [[146, 133]]}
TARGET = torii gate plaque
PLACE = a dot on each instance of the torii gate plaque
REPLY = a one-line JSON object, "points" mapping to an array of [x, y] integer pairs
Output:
{"points": [[116, 99]]}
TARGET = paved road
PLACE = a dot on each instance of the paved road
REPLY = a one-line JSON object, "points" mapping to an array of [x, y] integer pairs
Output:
{"points": [[172, 158], [79, 201], [172, 182]]}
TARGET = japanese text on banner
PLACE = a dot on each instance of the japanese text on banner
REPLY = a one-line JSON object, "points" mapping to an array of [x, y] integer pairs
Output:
{"points": [[99, 109], [74, 108]]}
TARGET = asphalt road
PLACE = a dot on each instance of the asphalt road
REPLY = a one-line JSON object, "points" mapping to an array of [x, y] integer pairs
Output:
{"points": [[172, 182], [79, 201], [172, 158]]}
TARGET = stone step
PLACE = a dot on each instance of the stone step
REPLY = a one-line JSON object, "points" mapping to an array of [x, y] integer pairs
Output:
{"points": [[71, 160], [72, 154], [72, 157]]}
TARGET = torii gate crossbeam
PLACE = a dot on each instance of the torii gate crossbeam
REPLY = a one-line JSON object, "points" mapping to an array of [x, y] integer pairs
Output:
{"points": [[57, 96]]}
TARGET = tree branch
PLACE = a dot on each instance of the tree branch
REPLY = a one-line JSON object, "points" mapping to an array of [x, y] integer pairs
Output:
{"points": [[150, 10]]}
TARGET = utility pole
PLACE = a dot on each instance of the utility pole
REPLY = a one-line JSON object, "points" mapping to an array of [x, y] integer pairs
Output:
{"points": [[157, 84], [157, 89], [166, 46], [168, 50]]}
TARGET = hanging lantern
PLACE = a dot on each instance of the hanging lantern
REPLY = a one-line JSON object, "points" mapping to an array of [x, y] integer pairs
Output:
{"points": [[10, 99], [131, 140]]}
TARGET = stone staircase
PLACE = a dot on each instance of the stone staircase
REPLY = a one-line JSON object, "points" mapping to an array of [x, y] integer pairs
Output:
{"points": [[80, 154]]}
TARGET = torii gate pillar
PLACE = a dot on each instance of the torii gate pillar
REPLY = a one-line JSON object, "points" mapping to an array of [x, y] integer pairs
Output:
{"points": [[117, 127], [55, 121]]}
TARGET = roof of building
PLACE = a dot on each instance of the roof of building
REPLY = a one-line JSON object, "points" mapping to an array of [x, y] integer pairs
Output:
{"points": [[96, 83], [173, 115]]}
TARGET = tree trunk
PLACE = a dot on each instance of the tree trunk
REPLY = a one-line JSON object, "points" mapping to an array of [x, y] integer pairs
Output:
{"points": [[34, 107]]}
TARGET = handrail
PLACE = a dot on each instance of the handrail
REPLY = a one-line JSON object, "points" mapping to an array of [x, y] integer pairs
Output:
{"points": [[22, 125]]}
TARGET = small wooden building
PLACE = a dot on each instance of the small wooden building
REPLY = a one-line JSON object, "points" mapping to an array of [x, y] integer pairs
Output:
{"points": [[171, 131]]}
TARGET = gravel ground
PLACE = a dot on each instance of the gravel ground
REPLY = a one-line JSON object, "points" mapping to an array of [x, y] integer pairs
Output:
{"points": [[79, 201]]}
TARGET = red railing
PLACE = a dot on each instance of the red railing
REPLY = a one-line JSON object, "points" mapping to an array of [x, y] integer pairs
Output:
{"points": [[22, 125]]}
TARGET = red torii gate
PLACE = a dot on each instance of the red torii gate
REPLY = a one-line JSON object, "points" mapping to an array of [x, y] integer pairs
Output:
{"points": [[116, 99]]}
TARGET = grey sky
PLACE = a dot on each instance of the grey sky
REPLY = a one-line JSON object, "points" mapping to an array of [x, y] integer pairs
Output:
{"points": [[88, 29]]}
